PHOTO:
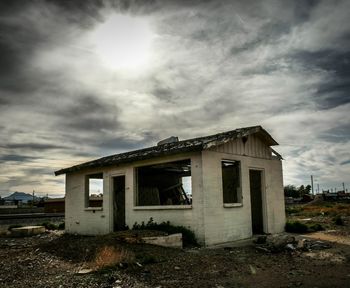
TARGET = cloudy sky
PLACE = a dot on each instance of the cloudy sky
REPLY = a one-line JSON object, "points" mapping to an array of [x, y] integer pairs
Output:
{"points": [[84, 79]]}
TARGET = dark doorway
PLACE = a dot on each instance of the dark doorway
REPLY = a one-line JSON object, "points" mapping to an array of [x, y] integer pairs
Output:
{"points": [[119, 202], [255, 178]]}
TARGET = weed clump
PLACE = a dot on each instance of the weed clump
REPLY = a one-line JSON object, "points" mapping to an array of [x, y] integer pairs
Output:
{"points": [[338, 220], [293, 210], [109, 256], [189, 238], [298, 227], [49, 226], [52, 226], [315, 227]]}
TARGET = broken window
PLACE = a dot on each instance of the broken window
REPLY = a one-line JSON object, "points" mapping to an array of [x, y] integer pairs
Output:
{"points": [[164, 184], [231, 181], [94, 190]]}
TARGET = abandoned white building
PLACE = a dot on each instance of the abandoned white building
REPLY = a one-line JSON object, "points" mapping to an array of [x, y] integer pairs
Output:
{"points": [[224, 187]]}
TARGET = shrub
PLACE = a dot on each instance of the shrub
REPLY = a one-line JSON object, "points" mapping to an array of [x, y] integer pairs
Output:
{"points": [[109, 256], [49, 226], [61, 226], [315, 227], [293, 210], [338, 220], [188, 237], [296, 227]]}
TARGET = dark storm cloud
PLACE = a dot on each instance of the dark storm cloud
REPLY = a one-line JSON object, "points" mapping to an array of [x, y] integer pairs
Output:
{"points": [[335, 91], [341, 133], [20, 38], [345, 162], [15, 158], [89, 113], [120, 144], [33, 146], [218, 65]]}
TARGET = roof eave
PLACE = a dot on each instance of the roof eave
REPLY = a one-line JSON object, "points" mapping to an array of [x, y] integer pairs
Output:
{"points": [[79, 167]]}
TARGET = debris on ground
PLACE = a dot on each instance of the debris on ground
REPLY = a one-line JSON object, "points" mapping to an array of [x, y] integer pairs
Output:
{"points": [[280, 243], [59, 260]]}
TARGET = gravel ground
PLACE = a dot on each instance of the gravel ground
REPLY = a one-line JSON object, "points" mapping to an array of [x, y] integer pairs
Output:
{"points": [[54, 260]]}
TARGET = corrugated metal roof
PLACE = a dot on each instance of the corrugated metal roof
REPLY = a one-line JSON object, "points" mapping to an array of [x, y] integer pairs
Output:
{"points": [[195, 144]]}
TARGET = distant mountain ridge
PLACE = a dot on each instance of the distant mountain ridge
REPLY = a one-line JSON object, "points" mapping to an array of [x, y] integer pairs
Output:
{"points": [[24, 197]]}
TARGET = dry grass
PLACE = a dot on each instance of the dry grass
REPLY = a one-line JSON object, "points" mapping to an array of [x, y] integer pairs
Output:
{"points": [[331, 209], [109, 256]]}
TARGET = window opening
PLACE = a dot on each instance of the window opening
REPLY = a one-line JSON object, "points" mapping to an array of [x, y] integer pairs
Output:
{"points": [[231, 183], [94, 193], [164, 184]]}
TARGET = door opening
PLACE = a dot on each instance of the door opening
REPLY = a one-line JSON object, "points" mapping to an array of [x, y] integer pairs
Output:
{"points": [[255, 178], [119, 202]]}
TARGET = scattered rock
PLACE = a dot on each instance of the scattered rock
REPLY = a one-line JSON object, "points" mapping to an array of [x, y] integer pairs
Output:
{"points": [[84, 271], [290, 247], [319, 245], [301, 244], [261, 239]]}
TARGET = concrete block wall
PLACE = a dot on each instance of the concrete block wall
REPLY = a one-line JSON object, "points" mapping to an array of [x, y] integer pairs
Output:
{"points": [[207, 217], [89, 222], [275, 198], [190, 216], [78, 218], [225, 224]]}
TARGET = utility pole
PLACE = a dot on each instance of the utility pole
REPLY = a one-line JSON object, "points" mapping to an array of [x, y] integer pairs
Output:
{"points": [[343, 187], [32, 199], [318, 188], [312, 184]]}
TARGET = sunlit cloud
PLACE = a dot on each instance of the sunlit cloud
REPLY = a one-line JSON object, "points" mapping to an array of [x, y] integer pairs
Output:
{"points": [[79, 82]]}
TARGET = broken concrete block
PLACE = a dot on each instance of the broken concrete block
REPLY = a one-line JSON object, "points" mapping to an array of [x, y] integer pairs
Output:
{"points": [[27, 231], [319, 245], [301, 244], [279, 242], [84, 271], [290, 247], [174, 240]]}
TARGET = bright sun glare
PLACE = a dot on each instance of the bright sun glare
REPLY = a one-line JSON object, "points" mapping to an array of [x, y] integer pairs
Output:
{"points": [[123, 42]]}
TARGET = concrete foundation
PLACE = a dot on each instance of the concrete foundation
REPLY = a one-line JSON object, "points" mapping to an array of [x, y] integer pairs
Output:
{"points": [[28, 231], [174, 240]]}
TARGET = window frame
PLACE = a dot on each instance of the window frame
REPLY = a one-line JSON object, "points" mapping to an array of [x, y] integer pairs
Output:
{"points": [[159, 207], [89, 176], [239, 189]]}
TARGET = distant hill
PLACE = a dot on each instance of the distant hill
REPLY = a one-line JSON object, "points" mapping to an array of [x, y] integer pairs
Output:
{"points": [[24, 197]]}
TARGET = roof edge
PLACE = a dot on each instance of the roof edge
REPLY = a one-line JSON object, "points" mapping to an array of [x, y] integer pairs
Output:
{"points": [[187, 145]]}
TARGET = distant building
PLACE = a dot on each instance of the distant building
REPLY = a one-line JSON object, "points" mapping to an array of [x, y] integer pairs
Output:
{"points": [[54, 205], [20, 197]]}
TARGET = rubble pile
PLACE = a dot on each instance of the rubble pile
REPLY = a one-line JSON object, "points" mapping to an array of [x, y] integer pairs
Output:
{"points": [[280, 243]]}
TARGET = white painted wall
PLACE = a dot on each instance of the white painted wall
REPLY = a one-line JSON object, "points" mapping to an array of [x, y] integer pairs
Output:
{"points": [[225, 224], [88, 221], [77, 218], [207, 217]]}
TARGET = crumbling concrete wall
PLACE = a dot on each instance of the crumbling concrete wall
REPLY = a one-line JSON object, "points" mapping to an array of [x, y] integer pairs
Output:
{"points": [[225, 222], [88, 221], [208, 217]]}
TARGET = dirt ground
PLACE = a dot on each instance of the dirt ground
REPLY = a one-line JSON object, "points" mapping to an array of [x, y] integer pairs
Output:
{"points": [[55, 259]]}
